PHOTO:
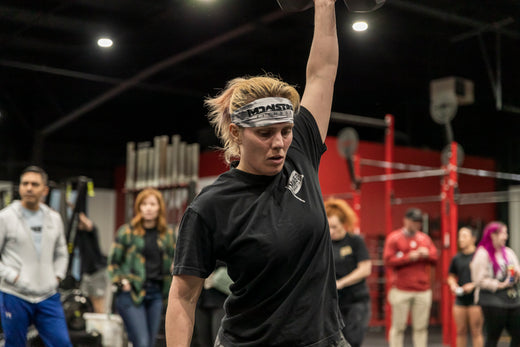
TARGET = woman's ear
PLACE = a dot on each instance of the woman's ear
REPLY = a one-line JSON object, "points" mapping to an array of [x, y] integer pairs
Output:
{"points": [[235, 132]]}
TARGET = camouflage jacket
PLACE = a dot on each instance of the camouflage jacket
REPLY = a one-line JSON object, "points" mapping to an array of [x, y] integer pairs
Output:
{"points": [[126, 260]]}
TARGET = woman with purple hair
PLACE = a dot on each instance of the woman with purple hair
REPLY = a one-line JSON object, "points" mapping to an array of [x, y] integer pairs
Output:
{"points": [[496, 273]]}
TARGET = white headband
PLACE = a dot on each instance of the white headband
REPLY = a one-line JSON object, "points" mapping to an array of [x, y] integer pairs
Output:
{"points": [[263, 112]]}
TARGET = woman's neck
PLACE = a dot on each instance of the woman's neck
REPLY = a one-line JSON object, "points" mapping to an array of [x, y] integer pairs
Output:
{"points": [[149, 224], [469, 249]]}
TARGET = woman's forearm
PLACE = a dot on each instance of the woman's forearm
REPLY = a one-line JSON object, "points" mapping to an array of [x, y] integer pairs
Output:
{"points": [[180, 318], [362, 271], [322, 65], [324, 54], [180, 313]]}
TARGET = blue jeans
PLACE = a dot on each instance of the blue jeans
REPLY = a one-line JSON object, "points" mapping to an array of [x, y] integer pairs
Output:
{"points": [[47, 316], [356, 317], [142, 321]]}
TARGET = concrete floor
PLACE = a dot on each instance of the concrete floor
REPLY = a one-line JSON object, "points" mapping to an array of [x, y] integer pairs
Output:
{"points": [[375, 337]]}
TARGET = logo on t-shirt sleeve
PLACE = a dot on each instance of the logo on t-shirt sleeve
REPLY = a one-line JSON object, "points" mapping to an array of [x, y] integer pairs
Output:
{"points": [[295, 184]]}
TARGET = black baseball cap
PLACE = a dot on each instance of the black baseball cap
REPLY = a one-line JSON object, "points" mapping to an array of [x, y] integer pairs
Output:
{"points": [[414, 214]]}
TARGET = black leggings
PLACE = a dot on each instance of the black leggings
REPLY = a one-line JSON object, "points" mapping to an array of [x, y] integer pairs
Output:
{"points": [[498, 318]]}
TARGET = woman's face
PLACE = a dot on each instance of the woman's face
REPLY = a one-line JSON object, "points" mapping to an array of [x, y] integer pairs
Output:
{"points": [[337, 231], [149, 208], [466, 238], [263, 149], [500, 237]]}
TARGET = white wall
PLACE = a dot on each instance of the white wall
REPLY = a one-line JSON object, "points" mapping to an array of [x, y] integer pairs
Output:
{"points": [[6, 184], [102, 210]]}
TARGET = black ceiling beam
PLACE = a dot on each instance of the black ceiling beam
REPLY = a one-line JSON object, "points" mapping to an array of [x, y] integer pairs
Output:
{"points": [[95, 78], [46, 20], [155, 68], [447, 16]]}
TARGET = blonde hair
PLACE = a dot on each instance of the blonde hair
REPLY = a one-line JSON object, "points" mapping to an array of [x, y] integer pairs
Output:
{"points": [[137, 221], [239, 92], [345, 213]]}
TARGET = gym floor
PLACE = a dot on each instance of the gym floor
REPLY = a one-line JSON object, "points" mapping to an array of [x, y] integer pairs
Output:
{"points": [[375, 337]]}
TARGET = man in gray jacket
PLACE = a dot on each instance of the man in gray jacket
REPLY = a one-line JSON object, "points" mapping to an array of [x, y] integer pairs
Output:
{"points": [[33, 259]]}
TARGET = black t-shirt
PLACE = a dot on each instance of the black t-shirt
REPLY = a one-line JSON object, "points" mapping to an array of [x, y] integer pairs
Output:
{"points": [[460, 268], [152, 255], [348, 252], [272, 233]]}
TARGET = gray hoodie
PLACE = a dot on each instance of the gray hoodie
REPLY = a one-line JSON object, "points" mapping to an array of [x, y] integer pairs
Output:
{"points": [[18, 256]]}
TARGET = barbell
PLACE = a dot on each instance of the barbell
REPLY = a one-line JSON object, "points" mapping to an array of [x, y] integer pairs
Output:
{"points": [[357, 6]]}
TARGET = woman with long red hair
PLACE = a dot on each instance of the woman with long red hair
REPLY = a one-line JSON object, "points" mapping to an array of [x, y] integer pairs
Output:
{"points": [[353, 266], [139, 264]]}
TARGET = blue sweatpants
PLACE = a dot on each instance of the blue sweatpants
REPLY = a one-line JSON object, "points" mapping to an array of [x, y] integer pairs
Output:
{"points": [[47, 316]]}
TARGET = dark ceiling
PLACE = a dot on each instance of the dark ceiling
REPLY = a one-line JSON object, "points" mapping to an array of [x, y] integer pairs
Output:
{"points": [[71, 106]]}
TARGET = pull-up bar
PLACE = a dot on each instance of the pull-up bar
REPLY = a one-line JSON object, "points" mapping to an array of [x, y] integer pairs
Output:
{"points": [[403, 175], [462, 170], [359, 120], [398, 166], [492, 174], [460, 198]]}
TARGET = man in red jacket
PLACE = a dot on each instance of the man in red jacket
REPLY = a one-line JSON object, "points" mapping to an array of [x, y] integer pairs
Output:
{"points": [[409, 253]]}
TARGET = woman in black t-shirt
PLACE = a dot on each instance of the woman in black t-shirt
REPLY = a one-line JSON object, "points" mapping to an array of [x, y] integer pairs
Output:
{"points": [[353, 266], [264, 218], [466, 313]]}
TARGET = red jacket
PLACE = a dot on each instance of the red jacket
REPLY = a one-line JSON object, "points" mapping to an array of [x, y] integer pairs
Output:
{"points": [[407, 274]]}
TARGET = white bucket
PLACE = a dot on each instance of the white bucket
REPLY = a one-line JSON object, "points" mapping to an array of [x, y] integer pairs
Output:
{"points": [[110, 326]]}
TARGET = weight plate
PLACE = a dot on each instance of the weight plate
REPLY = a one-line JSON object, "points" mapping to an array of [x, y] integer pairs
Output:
{"points": [[348, 140]]}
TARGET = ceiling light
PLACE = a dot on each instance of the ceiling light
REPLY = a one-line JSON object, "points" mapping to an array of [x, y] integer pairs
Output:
{"points": [[105, 42], [360, 26]]}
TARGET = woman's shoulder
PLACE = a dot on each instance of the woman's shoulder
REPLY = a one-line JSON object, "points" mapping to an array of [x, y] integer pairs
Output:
{"points": [[510, 251], [303, 111], [305, 123], [209, 194], [356, 237], [170, 232], [459, 256], [170, 236], [481, 254], [124, 229], [226, 187]]}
